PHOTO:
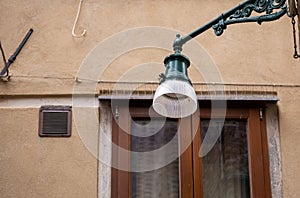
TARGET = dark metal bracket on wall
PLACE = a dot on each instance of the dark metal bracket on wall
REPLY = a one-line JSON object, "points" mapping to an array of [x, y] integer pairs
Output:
{"points": [[4, 75], [239, 14]]}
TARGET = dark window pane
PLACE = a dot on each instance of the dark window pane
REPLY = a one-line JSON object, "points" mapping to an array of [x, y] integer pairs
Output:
{"points": [[162, 182], [225, 167]]}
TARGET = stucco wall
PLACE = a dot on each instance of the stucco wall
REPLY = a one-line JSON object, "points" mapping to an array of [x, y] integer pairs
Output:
{"points": [[51, 58], [245, 53], [42, 167], [289, 128]]}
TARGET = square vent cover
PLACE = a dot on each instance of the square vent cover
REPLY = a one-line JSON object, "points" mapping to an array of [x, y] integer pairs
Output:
{"points": [[55, 121]]}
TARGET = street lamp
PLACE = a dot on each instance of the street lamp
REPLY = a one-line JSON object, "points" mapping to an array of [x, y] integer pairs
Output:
{"points": [[175, 96]]}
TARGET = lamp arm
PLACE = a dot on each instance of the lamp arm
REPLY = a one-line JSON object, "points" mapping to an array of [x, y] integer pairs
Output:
{"points": [[239, 14]]}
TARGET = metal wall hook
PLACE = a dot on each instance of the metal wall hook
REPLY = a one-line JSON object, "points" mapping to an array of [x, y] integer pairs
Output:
{"points": [[75, 23]]}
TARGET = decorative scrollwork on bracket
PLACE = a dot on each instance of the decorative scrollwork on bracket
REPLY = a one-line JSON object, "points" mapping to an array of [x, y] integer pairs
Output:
{"points": [[259, 6], [243, 14], [239, 14], [219, 27]]}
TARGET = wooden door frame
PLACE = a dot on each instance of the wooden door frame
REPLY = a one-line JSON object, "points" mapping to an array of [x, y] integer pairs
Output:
{"points": [[257, 148], [121, 138], [189, 163]]}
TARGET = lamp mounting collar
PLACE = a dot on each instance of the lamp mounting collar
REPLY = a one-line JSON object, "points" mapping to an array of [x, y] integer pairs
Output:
{"points": [[177, 48]]}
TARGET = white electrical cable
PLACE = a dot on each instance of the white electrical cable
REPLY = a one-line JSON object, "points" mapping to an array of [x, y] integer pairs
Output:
{"points": [[75, 23]]}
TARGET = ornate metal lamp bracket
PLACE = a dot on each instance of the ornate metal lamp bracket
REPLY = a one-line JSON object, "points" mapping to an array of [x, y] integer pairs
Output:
{"points": [[239, 14], [243, 15]]}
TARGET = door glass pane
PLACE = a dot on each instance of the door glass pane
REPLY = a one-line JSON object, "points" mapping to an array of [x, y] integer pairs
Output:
{"points": [[225, 168], [164, 181]]}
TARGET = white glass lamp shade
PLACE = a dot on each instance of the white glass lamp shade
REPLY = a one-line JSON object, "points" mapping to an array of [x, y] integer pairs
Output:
{"points": [[175, 99]]}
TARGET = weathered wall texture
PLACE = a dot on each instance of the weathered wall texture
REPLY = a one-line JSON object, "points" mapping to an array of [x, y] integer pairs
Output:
{"points": [[245, 53]]}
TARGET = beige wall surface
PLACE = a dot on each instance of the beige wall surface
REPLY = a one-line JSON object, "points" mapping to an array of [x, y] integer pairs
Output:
{"points": [[289, 113], [49, 62], [42, 167]]}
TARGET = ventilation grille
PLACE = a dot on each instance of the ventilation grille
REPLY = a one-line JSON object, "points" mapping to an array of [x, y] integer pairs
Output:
{"points": [[55, 121]]}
